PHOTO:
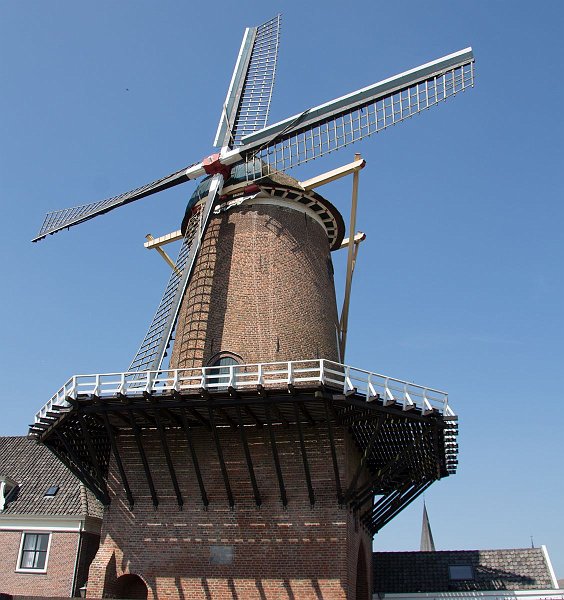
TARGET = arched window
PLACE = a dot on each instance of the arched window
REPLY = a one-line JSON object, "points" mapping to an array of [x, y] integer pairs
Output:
{"points": [[218, 374]]}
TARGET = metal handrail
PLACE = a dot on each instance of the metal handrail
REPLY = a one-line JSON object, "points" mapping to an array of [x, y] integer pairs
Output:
{"points": [[344, 378]]}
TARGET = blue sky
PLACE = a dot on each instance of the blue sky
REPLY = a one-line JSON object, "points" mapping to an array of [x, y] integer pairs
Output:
{"points": [[459, 284]]}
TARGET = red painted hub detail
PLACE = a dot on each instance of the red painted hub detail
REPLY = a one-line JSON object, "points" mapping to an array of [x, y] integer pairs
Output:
{"points": [[212, 165]]}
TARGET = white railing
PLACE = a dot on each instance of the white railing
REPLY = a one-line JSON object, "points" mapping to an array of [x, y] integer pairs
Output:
{"points": [[301, 373]]}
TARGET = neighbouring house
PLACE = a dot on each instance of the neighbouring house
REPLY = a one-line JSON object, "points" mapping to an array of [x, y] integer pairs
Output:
{"points": [[464, 574], [49, 523]]}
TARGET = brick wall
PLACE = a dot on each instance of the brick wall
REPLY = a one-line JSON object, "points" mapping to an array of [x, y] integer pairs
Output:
{"points": [[248, 552], [262, 289], [57, 581]]}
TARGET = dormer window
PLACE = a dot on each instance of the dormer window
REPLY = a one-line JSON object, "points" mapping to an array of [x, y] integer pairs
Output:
{"points": [[460, 572], [51, 491], [7, 489]]}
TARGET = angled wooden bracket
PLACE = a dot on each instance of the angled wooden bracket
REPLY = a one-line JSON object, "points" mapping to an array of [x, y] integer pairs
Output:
{"points": [[156, 243]]}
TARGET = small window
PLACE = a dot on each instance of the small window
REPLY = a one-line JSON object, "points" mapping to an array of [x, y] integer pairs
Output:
{"points": [[218, 373], [33, 552], [51, 491], [460, 572]]}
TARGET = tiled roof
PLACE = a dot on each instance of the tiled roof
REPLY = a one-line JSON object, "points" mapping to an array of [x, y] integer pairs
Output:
{"points": [[411, 572], [35, 469]]}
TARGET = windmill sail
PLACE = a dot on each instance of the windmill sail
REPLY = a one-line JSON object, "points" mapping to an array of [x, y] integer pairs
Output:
{"points": [[151, 353], [246, 106], [343, 121], [67, 217]]}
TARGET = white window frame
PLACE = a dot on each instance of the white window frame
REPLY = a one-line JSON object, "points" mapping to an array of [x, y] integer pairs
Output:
{"points": [[20, 569]]}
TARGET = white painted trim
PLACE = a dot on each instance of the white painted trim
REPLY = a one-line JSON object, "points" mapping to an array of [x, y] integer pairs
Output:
{"points": [[38, 571], [549, 565], [40, 523]]}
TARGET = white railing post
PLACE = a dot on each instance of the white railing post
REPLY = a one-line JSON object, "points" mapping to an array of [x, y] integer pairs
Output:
{"points": [[96, 391], [347, 380], [259, 374], [322, 371], [231, 376], [290, 373], [121, 388]]}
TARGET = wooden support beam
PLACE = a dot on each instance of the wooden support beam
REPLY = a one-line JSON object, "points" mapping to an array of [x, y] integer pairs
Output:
{"points": [[307, 473], [194, 457], [256, 492], [219, 450], [153, 242], [119, 463], [365, 455], [157, 246], [144, 462], [384, 502], [280, 416], [98, 488], [90, 447], [168, 458], [275, 456], [199, 417], [253, 416], [358, 237], [400, 458], [333, 454], [351, 259], [399, 502], [306, 413], [335, 174], [225, 415]]}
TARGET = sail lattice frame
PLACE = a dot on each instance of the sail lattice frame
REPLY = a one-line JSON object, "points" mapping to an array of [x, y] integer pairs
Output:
{"points": [[299, 144]]}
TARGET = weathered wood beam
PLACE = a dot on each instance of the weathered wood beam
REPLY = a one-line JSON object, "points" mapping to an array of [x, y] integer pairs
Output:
{"points": [[90, 447], [248, 459], [168, 457], [144, 462], [333, 454], [194, 457], [98, 488], [219, 451], [306, 413], [274, 448], [119, 462], [365, 455], [400, 458], [307, 473], [253, 416]]}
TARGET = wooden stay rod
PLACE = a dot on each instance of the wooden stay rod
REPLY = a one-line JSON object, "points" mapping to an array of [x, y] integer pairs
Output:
{"points": [[351, 259]]}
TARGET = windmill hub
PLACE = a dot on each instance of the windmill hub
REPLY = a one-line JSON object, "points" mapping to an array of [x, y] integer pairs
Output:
{"points": [[212, 165]]}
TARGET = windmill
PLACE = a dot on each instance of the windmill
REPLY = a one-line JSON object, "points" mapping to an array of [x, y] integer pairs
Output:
{"points": [[278, 422], [249, 150]]}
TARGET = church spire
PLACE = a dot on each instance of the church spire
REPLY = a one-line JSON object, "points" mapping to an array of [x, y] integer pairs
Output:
{"points": [[427, 543]]}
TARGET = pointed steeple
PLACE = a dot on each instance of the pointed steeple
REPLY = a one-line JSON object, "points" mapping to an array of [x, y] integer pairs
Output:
{"points": [[427, 543]]}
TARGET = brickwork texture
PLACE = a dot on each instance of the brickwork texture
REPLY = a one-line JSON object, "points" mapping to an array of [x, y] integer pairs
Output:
{"points": [[247, 552], [262, 289]]}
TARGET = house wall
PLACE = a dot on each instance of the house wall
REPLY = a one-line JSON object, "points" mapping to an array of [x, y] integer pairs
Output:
{"points": [[294, 552], [57, 581]]}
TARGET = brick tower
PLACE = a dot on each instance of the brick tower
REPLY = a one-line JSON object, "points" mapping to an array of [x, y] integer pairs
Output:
{"points": [[254, 466]]}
